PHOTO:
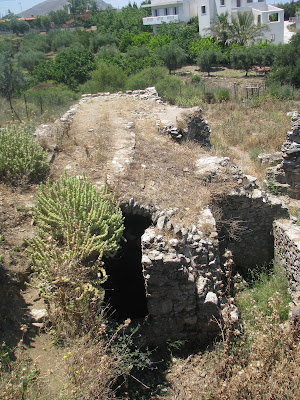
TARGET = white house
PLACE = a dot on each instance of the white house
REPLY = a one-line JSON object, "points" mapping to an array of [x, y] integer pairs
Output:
{"points": [[297, 19], [180, 11]]}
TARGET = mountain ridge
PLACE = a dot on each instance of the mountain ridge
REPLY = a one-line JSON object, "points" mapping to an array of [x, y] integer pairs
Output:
{"points": [[46, 6]]}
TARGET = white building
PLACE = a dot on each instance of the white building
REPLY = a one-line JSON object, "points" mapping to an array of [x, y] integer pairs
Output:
{"points": [[181, 11], [297, 19]]}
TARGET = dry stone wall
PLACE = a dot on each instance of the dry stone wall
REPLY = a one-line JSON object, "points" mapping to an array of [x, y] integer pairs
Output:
{"points": [[285, 177], [245, 226], [287, 252]]}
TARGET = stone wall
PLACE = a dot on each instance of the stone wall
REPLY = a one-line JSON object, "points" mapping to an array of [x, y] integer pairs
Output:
{"points": [[287, 252], [285, 177], [245, 226], [182, 276]]}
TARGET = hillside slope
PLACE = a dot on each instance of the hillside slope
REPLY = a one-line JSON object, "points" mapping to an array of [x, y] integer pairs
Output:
{"points": [[46, 6]]}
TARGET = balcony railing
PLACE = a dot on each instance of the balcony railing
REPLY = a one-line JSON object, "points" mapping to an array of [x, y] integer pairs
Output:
{"points": [[160, 19]]}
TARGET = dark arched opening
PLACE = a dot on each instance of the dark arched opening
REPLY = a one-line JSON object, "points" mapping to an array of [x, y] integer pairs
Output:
{"points": [[125, 288]]}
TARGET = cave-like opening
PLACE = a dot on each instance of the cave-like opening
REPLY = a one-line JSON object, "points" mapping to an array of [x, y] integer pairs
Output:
{"points": [[125, 291]]}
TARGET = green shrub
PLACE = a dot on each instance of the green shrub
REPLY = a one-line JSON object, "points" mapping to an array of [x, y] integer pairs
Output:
{"points": [[282, 92], [36, 42], [77, 227], [100, 40], [196, 79], [22, 159], [172, 56], [147, 77], [62, 39], [105, 78], [264, 284], [108, 51], [221, 94], [255, 152], [29, 59], [169, 89], [51, 95]]}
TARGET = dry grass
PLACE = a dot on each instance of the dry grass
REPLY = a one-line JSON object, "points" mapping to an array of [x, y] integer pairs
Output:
{"points": [[239, 127], [164, 173], [263, 363]]}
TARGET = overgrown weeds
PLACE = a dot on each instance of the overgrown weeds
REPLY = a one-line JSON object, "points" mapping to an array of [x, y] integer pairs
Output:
{"points": [[18, 378], [22, 159], [77, 226]]}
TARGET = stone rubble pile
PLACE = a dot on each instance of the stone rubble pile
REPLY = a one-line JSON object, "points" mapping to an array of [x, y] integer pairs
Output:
{"points": [[285, 177], [194, 127]]}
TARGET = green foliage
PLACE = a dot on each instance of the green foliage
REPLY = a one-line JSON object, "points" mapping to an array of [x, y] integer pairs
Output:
{"points": [[51, 95], [172, 56], [22, 159], [131, 64], [220, 29], [18, 376], [255, 152], [221, 94], [289, 8], [286, 67], [108, 52], [77, 227], [264, 283], [243, 58], [100, 40], [29, 59], [283, 92], [71, 66], [243, 30], [169, 89], [147, 77], [62, 39], [6, 46], [35, 42], [129, 19], [12, 79], [106, 78], [18, 26], [195, 48], [59, 17], [208, 58], [196, 79]]}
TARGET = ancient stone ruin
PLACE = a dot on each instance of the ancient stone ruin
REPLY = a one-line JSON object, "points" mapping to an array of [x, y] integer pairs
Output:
{"points": [[285, 177], [168, 272]]}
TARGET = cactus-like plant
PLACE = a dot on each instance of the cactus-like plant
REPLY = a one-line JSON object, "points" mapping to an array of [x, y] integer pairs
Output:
{"points": [[22, 159], [77, 227]]}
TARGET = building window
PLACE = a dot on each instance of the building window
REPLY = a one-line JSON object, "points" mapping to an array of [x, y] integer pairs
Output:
{"points": [[175, 11], [155, 13], [272, 37], [259, 20], [222, 3], [238, 3], [166, 11], [274, 17], [203, 10], [249, 1]]}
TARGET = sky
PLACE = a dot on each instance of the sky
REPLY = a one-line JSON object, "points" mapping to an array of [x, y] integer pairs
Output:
{"points": [[17, 6]]}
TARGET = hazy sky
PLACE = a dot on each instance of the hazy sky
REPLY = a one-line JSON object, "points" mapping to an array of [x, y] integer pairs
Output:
{"points": [[17, 6]]}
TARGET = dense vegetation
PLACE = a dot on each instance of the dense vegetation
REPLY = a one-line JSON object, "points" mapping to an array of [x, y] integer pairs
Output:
{"points": [[113, 57]]}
